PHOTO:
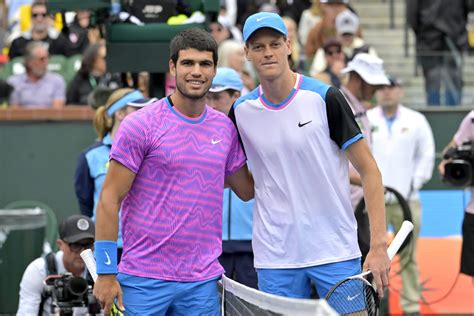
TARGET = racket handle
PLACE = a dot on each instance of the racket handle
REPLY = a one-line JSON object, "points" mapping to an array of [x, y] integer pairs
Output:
{"points": [[89, 260], [400, 237]]}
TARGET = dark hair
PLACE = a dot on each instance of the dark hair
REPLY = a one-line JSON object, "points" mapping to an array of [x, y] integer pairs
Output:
{"points": [[89, 57], [193, 38], [40, 4]]}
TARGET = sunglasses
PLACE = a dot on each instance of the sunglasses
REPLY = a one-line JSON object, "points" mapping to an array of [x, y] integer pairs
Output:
{"points": [[35, 15], [76, 247], [333, 51]]}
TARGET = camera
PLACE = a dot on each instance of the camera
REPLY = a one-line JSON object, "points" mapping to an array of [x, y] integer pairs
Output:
{"points": [[67, 292], [458, 172]]}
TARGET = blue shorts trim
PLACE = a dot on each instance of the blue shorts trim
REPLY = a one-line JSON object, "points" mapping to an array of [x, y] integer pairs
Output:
{"points": [[145, 296], [297, 282]]}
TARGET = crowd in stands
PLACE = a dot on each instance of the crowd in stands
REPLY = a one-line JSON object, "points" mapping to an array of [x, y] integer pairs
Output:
{"points": [[324, 34]]}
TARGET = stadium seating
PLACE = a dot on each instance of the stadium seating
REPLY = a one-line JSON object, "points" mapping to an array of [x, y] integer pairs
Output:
{"points": [[134, 48]]}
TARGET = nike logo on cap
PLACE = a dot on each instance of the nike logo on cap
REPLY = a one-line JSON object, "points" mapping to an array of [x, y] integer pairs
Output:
{"points": [[303, 124], [108, 262], [260, 19]]}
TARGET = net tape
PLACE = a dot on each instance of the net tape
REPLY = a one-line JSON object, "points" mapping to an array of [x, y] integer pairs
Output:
{"points": [[242, 300]]}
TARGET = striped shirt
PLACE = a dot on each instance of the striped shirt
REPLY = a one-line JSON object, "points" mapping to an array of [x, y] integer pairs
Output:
{"points": [[172, 215]]}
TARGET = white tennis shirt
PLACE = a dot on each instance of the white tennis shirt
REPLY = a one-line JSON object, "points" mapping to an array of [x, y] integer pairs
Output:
{"points": [[302, 214]]}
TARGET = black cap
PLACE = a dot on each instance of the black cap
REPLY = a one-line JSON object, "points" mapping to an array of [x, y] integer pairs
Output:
{"points": [[75, 228], [395, 82]]}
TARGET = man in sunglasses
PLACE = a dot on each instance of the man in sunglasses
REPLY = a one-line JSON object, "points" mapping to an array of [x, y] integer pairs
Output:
{"points": [[41, 30], [76, 233]]}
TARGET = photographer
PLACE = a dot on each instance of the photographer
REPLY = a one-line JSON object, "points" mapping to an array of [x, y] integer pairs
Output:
{"points": [[76, 233], [465, 133]]}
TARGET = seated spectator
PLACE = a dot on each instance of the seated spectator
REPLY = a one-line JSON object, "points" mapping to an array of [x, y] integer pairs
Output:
{"points": [[347, 27], [308, 20], [41, 30], [78, 33], [326, 27], [222, 30], [76, 233], [92, 74], [335, 62], [37, 87], [5, 91], [98, 97], [294, 58]]}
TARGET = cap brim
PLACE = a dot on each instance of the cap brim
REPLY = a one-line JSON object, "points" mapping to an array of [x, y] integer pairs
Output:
{"points": [[141, 102], [77, 237], [265, 25], [222, 88], [372, 79]]}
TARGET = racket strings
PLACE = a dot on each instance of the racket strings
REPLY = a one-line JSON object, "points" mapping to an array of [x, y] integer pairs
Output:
{"points": [[354, 297]]}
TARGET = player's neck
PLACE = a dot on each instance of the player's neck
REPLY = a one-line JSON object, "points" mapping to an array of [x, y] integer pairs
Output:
{"points": [[278, 89], [187, 106]]}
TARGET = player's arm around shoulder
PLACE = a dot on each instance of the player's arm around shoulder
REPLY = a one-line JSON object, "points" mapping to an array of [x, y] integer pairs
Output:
{"points": [[241, 182], [377, 259], [118, 182]]}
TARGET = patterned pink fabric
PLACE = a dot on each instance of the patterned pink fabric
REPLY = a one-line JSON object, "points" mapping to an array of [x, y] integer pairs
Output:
{"points": [[172, 216]]}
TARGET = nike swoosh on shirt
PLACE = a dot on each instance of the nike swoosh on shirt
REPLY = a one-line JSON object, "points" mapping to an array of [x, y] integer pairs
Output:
{"points": [[215, 141], [303, 124]]}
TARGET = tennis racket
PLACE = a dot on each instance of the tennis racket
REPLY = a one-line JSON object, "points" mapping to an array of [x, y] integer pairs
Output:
{"points": [[89, 260], [356, 295]]}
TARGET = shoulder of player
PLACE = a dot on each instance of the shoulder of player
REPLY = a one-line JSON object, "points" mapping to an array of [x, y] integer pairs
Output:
{"points": [[314, 85], [252, 95]]}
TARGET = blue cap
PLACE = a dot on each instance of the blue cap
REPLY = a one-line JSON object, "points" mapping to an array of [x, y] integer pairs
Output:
{"points": [[226, 78], [263, 19]]}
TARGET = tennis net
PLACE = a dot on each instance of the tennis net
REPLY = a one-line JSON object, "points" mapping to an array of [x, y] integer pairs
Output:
{"points": [[239, 300]]}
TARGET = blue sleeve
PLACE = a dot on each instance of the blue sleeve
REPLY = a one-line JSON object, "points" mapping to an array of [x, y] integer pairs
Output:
{"points": [[84, 186]]}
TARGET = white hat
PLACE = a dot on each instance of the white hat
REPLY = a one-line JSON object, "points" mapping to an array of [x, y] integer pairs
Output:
{"points": [[347, 22], [369, 67]]}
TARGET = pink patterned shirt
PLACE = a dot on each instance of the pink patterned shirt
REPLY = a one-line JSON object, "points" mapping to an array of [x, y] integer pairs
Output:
{"points": [[172, 215]]}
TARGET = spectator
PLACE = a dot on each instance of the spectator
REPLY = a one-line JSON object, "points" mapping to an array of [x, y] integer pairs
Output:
{"points": [[347, 26], [403, 146], [308, 20], [37, 87], [92, 164], [465, 133], [76, 233], [92, 74], [231, 54], [335, 62], [98, 97], [441, 36], [237, 254], [366, 75], [294, 58], [41, 30], [222, 30], [325, 28], [78, 33], [5, 91]]}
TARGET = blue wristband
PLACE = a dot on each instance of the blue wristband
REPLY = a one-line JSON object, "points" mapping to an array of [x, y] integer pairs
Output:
{"points": [[105, 252]]}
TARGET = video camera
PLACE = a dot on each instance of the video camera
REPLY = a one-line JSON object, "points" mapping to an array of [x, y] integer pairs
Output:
{"points": [[459, 172], [68, 291]]}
